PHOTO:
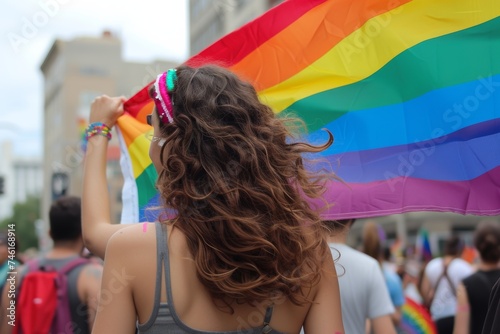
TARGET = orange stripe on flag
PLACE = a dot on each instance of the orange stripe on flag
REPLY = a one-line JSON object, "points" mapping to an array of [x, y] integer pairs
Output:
{"points": [[308, 38]]}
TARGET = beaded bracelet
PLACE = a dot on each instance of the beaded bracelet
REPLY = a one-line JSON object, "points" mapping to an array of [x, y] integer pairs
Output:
{"points": [[97, 128], [94, 129]]}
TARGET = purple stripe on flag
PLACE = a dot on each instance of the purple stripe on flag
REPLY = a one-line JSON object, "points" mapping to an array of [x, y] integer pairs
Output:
{"points": [[479, 196]]}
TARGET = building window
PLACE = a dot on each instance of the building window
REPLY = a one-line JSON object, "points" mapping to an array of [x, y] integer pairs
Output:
{"points": [[93, 71]]}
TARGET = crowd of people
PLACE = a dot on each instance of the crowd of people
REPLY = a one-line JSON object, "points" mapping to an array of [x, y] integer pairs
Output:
{"points": [[245, 252]]}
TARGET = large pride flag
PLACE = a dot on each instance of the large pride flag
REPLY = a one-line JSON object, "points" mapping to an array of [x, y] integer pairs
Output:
{"points": [[409, 89]]}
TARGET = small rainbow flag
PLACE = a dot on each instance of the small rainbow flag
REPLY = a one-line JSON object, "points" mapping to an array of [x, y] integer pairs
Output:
{"points": [[416, 319], [410, 90], [424, 251]]}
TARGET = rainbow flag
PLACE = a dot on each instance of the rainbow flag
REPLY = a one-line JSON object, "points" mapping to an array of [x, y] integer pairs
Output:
{"points": [[424, 252], [409, 89], [139, 194], [416, 319]]}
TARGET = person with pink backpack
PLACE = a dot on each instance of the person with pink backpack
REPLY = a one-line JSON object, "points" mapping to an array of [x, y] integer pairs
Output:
{"points": [[57, 292]]}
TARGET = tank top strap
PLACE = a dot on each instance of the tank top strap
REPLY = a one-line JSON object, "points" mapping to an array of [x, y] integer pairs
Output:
{"points": [[161, 240], [267, 320], [162, 233], [160, 251]]}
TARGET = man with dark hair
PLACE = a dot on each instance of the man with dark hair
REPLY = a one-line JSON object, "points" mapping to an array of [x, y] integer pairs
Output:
{"points": [[83, 281], [454, 246], [363, 292], [65, 218]]}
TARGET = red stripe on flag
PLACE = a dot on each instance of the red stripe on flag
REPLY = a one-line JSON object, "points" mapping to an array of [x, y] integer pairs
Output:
{"points": [[223, 52]]}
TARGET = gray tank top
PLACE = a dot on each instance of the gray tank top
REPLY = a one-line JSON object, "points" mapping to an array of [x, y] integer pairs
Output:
{"points": [[164, 319]]}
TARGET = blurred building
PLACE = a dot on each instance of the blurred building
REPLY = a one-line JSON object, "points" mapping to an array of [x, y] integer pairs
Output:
{"points": [[210, 20], [75, 72], [19, 178]]}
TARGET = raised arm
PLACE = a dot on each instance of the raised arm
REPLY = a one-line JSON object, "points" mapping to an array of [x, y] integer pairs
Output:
{"points": [[96, 220]]}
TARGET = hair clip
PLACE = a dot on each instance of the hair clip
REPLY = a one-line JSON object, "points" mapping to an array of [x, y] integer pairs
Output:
{"points": [[171, 78]]}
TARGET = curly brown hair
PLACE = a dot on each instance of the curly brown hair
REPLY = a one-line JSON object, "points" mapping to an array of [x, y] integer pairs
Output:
{"points": [[237, 181]]}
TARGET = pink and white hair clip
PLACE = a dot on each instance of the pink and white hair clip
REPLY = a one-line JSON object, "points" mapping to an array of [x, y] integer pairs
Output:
{"points": [[162, 99]]}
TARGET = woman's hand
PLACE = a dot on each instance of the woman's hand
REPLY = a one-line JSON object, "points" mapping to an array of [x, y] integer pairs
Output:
{"points": [[106, 109]]}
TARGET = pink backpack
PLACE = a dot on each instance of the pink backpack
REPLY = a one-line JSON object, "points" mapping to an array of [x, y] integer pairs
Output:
{"points": [[43, 302]]}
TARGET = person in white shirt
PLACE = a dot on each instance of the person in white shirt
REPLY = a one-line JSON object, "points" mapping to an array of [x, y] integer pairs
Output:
{"points": [[363, 292], [441, 278]]}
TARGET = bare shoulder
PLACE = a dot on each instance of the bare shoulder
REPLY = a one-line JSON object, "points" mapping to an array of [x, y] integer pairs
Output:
{"points": [[135, 235], [131, 257], [130, 246]]}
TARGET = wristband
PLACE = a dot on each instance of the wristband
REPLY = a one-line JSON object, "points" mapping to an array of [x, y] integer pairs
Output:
{"points": [[94, 129]]}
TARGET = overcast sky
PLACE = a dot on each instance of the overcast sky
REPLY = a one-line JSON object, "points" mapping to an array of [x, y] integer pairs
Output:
{"points": [[149, 29]]}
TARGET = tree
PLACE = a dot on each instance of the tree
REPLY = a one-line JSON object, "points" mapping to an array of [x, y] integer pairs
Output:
{"points": [[24, 217]]}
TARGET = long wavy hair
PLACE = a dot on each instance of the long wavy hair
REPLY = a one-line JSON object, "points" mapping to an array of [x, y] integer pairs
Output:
{"points": [[237, 181]]}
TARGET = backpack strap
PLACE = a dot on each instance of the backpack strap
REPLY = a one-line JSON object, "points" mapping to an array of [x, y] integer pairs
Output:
{"points": [[37, 264], [33, 265], [63, 311], [443, 275], [450, 283], [73, 264]]}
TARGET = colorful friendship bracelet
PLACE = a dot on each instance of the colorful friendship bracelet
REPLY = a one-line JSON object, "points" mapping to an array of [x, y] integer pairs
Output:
{"points": [[165, 83], [97, 128], [93, 129]]}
